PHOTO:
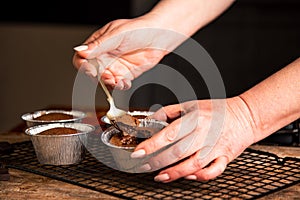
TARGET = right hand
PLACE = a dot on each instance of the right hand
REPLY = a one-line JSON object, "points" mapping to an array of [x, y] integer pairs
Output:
{"points": [[124, 49]]}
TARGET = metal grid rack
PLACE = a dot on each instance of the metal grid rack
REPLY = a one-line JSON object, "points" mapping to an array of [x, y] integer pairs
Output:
{"points": [[253, 174]]}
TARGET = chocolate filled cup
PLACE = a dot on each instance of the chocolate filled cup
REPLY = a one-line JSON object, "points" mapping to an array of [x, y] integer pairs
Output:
{"points": [[121, 151], [52, 116], [60, 143]]}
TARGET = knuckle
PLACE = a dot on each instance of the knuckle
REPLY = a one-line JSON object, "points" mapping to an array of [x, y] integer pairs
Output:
{"points": [[197, 163], [171, 133], [177, 173], [150, 145], [220, 170], [204, 177], [177, 151], [180, 150]]}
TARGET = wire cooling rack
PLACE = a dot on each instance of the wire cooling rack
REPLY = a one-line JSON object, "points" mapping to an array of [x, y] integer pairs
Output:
{"points": [[252, 175]]}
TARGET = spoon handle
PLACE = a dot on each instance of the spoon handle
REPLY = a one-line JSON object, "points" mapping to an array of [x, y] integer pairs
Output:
{"points": [[109, 97], [113, 111], [94, 62]]}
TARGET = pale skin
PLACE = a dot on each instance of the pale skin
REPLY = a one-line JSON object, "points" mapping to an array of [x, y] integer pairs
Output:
{"points": [[136, 57], [245, 119], [249, 118]]}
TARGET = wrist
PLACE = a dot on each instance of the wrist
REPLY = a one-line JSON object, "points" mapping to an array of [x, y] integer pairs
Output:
{"points": [[244, 116], [171, 22], [259, 127], [164, 36]]}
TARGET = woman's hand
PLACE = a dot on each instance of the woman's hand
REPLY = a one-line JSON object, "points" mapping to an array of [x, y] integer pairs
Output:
{"points": [[209, 135], [124, 49]]}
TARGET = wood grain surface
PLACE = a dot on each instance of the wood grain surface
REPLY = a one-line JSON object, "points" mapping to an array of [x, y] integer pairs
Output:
{"points": [[24, 185]]}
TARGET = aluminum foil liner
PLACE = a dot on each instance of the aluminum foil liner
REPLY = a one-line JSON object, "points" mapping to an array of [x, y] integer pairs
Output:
{"points": [[120, 154], [60, 149], [30, 120]]}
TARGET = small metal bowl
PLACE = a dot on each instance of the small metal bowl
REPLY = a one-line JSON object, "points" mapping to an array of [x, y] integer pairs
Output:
{"points": [[63, 149], [30, 120], [121, 155], [132, 113]]}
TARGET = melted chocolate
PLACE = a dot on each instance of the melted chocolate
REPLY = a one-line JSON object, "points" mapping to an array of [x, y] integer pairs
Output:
{"points": [[54, 116], [59, 131], [125, 140]]}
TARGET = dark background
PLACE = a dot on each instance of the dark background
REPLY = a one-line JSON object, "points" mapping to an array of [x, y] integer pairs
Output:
{"points": [[65, 12], [250, 41]]}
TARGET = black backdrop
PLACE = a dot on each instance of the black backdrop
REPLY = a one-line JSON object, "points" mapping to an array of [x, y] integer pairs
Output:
{"points": [[249, 42], [95, 12]]}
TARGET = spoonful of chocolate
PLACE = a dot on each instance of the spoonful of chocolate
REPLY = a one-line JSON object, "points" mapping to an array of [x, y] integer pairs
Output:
{"points": [[119, 118]]}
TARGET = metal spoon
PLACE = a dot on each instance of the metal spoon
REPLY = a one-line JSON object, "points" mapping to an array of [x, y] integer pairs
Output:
{"points": [[120, 119], [113, 111]]}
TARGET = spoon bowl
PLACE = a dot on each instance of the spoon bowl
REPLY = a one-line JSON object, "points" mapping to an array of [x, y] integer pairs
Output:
{"points": [[115, 115], [113, 111]]}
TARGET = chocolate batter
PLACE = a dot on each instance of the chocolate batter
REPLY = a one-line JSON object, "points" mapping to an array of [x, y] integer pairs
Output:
{"points": [[125, 140], [59, 131], [54, 116]]}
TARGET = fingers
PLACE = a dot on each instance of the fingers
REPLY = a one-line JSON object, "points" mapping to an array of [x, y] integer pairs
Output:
{"points": [[216, 168], [168, 112], [194, 169], [84, 50], [97, 44], [122, 84], [170, 134], [83, 66], [180, 150], [101, 41], [183, 169], [173, 153], [174, 111], [113, 72], [178, 129], [104, 44]]}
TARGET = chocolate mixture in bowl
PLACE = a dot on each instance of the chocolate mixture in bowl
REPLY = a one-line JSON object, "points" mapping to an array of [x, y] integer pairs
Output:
{"points": [[125, 140], [59, 131], [140, 116], [134, 130], [127, 119], [54, 116]]}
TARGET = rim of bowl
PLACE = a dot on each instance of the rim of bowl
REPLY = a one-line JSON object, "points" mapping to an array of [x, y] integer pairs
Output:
{"points": [[45, 127], [104, 118], [77, 115]]}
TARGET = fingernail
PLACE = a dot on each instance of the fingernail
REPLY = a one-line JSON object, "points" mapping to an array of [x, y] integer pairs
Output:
{"points": [[93, 72], [162, 177], [191, 177], [145, 167], [138, 154], [90, 74], [81, 47]]}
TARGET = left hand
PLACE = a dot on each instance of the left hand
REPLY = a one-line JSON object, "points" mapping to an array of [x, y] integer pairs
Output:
{"points": [[209, 135]]}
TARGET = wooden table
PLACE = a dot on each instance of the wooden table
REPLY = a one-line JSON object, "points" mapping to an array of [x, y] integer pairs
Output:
{"points": [[24, 185]]}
